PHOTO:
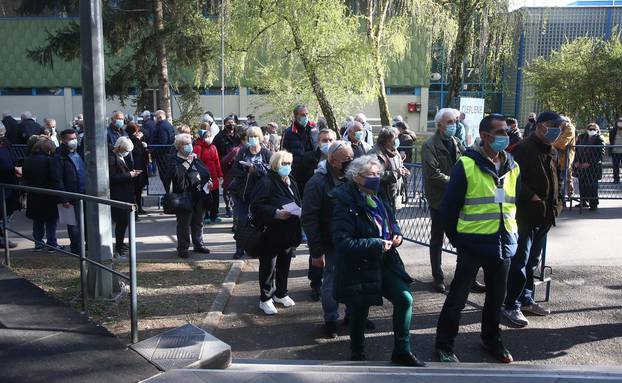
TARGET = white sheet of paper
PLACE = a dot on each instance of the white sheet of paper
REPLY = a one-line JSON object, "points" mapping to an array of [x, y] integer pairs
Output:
{"points": [[66, 215], [206, 188], [500, 196], [293, 208]]}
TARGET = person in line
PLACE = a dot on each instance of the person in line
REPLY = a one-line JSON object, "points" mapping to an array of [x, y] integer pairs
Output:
{"points": [[273, 139], [249, 167], [11, 127], [116, 128], [588, 165], [250, 121], [615, 138], [310, 161], [164, 130], [148, 128], [69, 173], [392, 179], [368, 266], [565, 145], [122, 188], [225, 141], [208, 118], [513, 132], [461, 131], [355, 135], [318, 204], [480, 221], [187, 174], [50, 126], [282, 234], [530, 126], [41, 208], [297, 139], [368, 133], [227, 164], [407, 139], [139, 159], [27, 128], [206, 151], [539, 204], [8, 175], [440, 152]]}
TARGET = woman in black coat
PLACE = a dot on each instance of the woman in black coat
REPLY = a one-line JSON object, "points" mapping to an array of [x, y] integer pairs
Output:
{"points": [[41, 208], [186, 175], [275, 206], [140, 159], [588, 165], [122, 175]]}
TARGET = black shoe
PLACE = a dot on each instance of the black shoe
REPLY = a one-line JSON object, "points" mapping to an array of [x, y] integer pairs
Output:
{"points": [[408, 360], [121, 250], [183, 254], [315, 294], [593, 208], [330, 330], [445, 356], [201, 249], [499, 352], [238, 254], [141, 211], [369, 325], [439, 286], [358, 356], [478, 287]]}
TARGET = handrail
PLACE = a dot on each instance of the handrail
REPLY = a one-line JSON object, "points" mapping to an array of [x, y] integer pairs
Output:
{"points": [[82, 256]]}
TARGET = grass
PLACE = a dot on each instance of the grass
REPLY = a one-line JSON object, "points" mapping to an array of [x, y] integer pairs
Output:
{"points": [[170, 294]]}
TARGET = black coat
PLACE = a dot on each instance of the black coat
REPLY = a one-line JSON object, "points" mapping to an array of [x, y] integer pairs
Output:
{"points": [[178, 179], [121, 182], [37, 172], [360, 261], [308, 164], [592, 156], [27, 128], [148, 129], [541, 176], [139, 160], [65, 173], [12, 129], [243, 182], [225, 142], [7, 176], [270, 194]]}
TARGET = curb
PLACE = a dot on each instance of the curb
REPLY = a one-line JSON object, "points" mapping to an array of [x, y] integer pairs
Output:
{"points": [[211, 320]]}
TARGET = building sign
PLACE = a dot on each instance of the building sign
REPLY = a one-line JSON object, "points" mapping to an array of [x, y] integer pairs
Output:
{"points": [[473, 109]]}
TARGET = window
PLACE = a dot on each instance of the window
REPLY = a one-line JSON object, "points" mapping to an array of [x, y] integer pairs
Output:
{"points": [[16, 91], [49, 91]]}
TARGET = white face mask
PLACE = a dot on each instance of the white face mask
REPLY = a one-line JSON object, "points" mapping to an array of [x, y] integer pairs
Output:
{"points": [[591, 133]]}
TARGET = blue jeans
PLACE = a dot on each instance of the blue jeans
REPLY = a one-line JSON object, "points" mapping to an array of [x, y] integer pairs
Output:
{"points": [[47, 227], [329, 304], [531, 242], [240, 211]]}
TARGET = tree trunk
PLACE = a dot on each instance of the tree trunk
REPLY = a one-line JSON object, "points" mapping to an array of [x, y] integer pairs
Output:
{"points": [[318, 89], [165, 94], [463, 40], [374, 35], [383, 105]]}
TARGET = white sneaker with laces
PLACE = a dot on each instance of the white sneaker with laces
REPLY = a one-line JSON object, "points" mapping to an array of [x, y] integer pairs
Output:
{"points": [[516, 317], [268, 307], [536, 309], [286, 301]]}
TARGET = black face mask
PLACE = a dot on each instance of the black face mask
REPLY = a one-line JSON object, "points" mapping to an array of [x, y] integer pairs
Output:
{"points": [[344, 166], [532, 120]]}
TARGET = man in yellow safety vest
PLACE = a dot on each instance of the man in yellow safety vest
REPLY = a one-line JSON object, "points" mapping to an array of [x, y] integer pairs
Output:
{"points": [[479, 214]]}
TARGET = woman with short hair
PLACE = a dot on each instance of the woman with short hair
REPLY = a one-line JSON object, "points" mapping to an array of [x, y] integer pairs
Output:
{"points": [[140, 159], [206, 152], [392, 179], [187, 174], [588, 164], [368, 266], [275, 206]]}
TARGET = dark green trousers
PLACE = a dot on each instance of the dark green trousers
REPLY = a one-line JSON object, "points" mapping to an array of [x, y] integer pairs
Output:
{"points": [[398, 293]]}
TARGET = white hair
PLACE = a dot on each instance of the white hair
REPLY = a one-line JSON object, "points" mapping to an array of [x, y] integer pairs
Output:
{"points": [[360, 117], [160, 113], [207, 118], [442, 113], [2, 130], [398, 118], [6, 114], [146, 114], [182, 139], [26, 115], [361, 164], [124, 143]]}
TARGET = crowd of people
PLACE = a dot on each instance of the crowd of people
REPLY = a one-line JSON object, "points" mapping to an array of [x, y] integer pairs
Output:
{"points": [[495, 200]]}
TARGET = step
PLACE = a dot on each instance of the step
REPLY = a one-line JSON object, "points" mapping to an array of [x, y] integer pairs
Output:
{"points": [[250, 371]]}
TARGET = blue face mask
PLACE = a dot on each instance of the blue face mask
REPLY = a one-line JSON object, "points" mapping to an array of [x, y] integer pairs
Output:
{"points": [[450, 131], [372, 183], [358, 135], [253, 141], [285, 170], [324, 148], [119, 123], [552, 134], [396, 143], [500, 143], [187, 149], [303, 121]]}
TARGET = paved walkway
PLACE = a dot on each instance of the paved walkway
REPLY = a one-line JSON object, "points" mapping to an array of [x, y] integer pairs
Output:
{"points": [[44, 340]]}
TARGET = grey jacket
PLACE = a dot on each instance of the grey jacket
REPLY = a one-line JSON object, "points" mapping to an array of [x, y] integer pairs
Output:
{"points": [[391, 180], [437, 165]]}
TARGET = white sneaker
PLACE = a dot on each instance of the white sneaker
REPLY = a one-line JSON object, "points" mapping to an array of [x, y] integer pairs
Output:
{"points": [[268, 307], [286, 301]]}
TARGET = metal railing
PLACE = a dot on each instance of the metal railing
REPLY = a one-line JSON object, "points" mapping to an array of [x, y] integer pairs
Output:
{"points": [[82, 256]]}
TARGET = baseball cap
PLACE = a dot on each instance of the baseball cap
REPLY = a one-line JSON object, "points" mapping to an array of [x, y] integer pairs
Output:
{"points": [[549, 116]]}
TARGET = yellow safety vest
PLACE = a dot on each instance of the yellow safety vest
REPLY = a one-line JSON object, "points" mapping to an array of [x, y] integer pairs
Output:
{"points": [[480, 213]]}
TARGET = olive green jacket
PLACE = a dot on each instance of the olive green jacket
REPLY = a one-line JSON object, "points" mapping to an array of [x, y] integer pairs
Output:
{"points": [[437, 165]]}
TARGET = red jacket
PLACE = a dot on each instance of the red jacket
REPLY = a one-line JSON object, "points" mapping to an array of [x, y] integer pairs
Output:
{"points": [[208, 154]]}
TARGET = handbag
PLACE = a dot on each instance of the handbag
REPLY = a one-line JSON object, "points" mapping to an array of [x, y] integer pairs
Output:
{"points": [[174, 203], [248, 236]]}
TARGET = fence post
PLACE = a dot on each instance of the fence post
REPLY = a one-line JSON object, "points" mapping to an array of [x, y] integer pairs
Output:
{"points": [[133, 297], [83, 280], [5, 232]]}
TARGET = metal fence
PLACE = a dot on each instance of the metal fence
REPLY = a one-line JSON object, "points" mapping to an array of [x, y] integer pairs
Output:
{"points": [[594, 174], [80, 198]]}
